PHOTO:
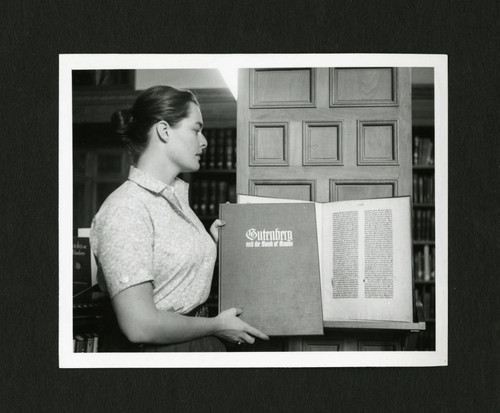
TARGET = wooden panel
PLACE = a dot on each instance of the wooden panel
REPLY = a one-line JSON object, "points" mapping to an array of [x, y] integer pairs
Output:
{"points": [[273, 88], [288, 189], [322, 345], [363, 87], [268, 144], [377, 143], [362, 189], [322, 143], [379, 346]]}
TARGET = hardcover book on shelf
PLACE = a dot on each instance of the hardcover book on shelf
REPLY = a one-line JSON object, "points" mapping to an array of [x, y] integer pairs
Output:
{"points": [[362, 249], [82, 267]]}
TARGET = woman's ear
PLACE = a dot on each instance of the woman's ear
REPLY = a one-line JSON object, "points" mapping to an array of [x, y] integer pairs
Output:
{"points": [[162, 129]]}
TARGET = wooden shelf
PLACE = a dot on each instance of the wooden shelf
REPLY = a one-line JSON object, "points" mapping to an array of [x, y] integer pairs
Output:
{"points": [[423, 205], [424, 242], [423, 167], [423, 282]]}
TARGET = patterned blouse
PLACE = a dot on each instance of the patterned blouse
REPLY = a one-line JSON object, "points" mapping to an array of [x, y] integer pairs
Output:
{"points": [[140, 235]]}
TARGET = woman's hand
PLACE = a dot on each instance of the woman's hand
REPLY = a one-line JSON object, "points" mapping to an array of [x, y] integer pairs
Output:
{"points": [[214, 229], [234, 330]]}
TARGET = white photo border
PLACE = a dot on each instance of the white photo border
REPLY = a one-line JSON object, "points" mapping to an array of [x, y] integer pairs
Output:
{"points": [[69, 359]]}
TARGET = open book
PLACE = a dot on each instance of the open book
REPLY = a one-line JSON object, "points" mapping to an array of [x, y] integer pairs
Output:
{"points": [[364, 256]]}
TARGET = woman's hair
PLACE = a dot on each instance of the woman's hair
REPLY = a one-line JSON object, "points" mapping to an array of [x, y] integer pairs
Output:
{"points": [[153, 105]]}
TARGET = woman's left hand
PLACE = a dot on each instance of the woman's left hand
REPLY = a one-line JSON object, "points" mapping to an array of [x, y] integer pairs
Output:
{"points": [[214, 229]]}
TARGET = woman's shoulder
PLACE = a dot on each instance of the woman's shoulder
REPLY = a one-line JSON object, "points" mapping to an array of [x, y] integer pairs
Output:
{"points": [[128, 197]]}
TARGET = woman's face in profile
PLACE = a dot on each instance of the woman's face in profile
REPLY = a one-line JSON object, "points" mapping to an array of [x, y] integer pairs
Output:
{"points": [[186, 141]]}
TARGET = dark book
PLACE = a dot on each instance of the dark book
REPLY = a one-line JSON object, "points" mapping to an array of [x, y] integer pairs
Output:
{"points": [[210, 135], [269, 266], [416, 150], [81, 344], [222, 192], [220, 149], [82, 270], [230, 149], [212, 197], [203, 204], [89, 343]]}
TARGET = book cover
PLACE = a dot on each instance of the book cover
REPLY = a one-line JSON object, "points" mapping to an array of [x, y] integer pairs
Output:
{"points": [[269, 266], [82, 267]]}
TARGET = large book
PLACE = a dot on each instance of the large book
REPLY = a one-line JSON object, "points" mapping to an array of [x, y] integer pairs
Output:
{"points": [[268, 265], [361, 248]]}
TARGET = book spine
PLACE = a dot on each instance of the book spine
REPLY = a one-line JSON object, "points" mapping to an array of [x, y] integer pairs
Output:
{"points": [[433, 263], [203, 205], [427, 304], [420, 188], [89, 343], [230, 158], [211, 149], [427, 263], [81, 345], [220, 150], [416, 144], [212, 197], [222, 192], [232, 193], [194, 196], [96, 343]]}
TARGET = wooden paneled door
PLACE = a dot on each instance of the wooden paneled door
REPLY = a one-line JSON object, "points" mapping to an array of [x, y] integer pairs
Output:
{"points": [[324, 134]]}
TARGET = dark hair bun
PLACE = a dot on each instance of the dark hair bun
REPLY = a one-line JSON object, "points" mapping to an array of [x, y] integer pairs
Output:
{"points": [[121, 122]]}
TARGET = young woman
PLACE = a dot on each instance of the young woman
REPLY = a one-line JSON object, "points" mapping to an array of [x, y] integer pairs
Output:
{"points": [[154, 256]]}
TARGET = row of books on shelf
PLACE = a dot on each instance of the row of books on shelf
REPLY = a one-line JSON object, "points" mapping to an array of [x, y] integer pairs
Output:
{"points": [[423, 151], [221, 150], [425, 263], [423, 224], [207, 194], [86, 343], [427, 297], [423, 189]]}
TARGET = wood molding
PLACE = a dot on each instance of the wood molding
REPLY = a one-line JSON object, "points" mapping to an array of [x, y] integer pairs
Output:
{"points": [[361, 152], [336, 183], [307, 159], [253, 183], [333, 87], [256, 102], [253, 144]]}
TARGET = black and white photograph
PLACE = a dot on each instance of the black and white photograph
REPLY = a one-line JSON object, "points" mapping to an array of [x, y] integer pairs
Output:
{"points": [[253, 210]]}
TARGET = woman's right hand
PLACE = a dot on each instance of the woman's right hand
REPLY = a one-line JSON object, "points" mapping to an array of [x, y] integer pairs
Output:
{"points": [[235, 330]]}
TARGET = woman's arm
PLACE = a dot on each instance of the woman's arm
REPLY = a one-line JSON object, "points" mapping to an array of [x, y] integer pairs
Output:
{"points": [[141, 322]]}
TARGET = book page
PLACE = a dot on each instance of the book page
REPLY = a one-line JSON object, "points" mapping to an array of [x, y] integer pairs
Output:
{"points": [[366, 260]]}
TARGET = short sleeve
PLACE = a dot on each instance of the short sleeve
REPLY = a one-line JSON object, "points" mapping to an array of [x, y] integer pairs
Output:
{"points": [[122, 240]]}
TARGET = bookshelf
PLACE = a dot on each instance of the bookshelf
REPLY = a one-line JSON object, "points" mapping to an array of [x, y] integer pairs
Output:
{"points": [[423, 197]]}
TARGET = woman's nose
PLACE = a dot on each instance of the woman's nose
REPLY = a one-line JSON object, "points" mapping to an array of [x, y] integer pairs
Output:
{"points": [[203, 141]]}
